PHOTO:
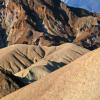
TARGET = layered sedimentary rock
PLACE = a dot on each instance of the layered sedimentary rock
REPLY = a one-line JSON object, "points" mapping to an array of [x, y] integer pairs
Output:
{"points": [[48, 22], [78, 80]]}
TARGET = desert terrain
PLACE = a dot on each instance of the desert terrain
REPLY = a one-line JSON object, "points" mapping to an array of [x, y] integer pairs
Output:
{"points": [[48, 51]]}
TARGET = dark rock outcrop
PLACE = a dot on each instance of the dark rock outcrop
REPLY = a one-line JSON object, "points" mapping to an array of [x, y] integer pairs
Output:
{"points": [[9, 83], [48, 22]]}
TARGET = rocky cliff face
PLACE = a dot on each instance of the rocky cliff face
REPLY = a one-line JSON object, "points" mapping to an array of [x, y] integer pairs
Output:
{"points": [[41, 36], [48, 22]]}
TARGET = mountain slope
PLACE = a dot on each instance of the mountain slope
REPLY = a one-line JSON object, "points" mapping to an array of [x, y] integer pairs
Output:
{"points": [[48, 22], [62, 55], [17, 57], [78, 80]]}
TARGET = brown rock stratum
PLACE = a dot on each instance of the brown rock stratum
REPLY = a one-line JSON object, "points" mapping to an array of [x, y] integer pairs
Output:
{"points": [[48, 22]]}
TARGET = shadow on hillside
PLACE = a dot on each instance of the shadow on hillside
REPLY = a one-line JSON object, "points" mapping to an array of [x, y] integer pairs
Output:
{"points": [[3, 38], [52, 65]]}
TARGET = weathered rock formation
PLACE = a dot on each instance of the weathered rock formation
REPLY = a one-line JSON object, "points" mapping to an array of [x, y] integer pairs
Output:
{"points": [[41, 36], [76, 81], [48, 22], [60, 56], [9, 83], [17, 57]]}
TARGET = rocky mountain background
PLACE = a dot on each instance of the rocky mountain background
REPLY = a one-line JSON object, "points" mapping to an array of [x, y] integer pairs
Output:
{"points": [[47, 22], [38, 37]]}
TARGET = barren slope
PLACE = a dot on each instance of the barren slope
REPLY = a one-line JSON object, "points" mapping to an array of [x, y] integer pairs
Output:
{"points": [[17, 57], [42, 36], [59, 56], [76, 81]]}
